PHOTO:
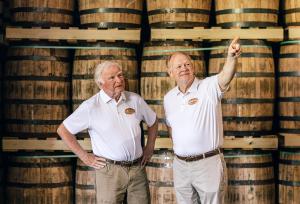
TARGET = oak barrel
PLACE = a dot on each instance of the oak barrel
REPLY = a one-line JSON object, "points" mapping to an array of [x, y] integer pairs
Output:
{"points": [[178, 13], [160, 176], [155, 82], [245, 13], [36, 91], [85, 188], [289, 176], [42, 13], [39, 180], [289, 87], [291, 12], [248, 106], [110, 13], [250, 177]]}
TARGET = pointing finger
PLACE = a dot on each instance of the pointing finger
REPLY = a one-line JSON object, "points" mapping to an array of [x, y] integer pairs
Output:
{"points": [[234, 41]]}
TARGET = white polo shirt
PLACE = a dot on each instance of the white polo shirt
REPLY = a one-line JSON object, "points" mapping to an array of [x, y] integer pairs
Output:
{"points": [[195, 117], [114, 127]]}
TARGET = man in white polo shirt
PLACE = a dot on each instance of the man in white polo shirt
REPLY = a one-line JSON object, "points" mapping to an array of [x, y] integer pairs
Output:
{"points": [[112, 118], [194, 120]]}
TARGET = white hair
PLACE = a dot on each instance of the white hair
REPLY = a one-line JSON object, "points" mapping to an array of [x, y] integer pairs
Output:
{"points": [[101, 67]]}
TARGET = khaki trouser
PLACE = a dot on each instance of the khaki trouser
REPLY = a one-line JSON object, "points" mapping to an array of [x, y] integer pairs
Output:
{"points": [[114, 181], [203, 181]]}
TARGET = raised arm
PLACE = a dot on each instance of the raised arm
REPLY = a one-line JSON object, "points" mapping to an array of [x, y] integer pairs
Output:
{"points": [[229, 69], [70, 140]]}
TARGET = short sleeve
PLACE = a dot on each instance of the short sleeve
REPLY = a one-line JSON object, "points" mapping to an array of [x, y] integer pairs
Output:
{"points": [[146, 113], [166, 115], [78, 120]]}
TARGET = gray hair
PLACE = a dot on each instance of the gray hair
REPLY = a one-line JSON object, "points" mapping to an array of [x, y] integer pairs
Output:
{"points": [[101, 67]]}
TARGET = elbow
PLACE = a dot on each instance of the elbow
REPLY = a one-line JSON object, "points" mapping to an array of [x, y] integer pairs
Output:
{"points": [[59, 130]]}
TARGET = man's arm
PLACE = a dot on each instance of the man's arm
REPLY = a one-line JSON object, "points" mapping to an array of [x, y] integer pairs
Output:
{"points": [[148, 149], [226, 75], [70, 140]]}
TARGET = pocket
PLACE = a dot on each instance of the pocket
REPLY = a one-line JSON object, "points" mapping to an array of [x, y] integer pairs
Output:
{"points": [[106, 170]]}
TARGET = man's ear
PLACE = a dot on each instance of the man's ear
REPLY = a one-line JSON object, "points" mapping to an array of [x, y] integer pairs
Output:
{"points": [[170, 73]]}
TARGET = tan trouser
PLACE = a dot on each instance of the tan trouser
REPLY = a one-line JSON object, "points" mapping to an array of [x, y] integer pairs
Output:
{"points": [[114, 181], [203, 181]]}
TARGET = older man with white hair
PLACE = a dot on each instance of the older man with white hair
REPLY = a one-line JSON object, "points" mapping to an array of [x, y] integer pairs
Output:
{"points": [[112, 118]]}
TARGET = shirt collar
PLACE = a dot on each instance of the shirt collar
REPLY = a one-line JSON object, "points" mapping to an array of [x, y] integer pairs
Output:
{"points": [[106, 98], [193, 87]]}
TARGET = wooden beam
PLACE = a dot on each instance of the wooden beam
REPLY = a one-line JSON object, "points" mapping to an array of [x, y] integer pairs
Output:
{"points": [[34, 144], [289, 140], [217, 33], [54, 144], [232, 142], [72, 34], [294, 33], [249, 143]]}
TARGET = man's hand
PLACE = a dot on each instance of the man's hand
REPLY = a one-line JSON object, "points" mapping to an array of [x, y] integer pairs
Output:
{"points": [[147, 154], [234, 49], [93, 161]]}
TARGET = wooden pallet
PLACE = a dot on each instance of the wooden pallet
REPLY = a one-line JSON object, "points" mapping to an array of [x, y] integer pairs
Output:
{"points": [[72, 34], [231, 142], [51, 144], [217, 33], [289, 140], [55, 144]]}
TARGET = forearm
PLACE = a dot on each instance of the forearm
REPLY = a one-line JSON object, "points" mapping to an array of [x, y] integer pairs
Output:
{"points": [[227, 74], [152, 133], [70, 140]]}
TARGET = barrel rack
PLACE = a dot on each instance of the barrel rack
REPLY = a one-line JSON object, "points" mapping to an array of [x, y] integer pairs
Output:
{"points": [[74, 34]]}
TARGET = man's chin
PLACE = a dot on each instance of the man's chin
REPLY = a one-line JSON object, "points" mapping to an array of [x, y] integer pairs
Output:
{"points": [[119, 90]]}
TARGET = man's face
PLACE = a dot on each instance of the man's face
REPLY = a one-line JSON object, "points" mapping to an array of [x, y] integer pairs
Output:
{"points": [[113, 82], [181, 69]]}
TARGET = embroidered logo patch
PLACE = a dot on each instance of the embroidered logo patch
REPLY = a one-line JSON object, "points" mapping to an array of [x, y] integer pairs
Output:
{"points": [[192, 101], [129, 111]]}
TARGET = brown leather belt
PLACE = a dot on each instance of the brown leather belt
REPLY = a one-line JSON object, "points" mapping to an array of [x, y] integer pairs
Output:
{"points": [[201, 156], [125, 163]]}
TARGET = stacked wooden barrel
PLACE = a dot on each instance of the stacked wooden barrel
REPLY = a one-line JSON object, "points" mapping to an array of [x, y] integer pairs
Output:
{"points": [[36, 91], [289, 87], [244, 13], [85, 184], [160, 175], [248, 106], [289, 176], [42, 13], [289, 121], [250, 177], [110, 13], [178, 13], [39, 180], [292, 12]]}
